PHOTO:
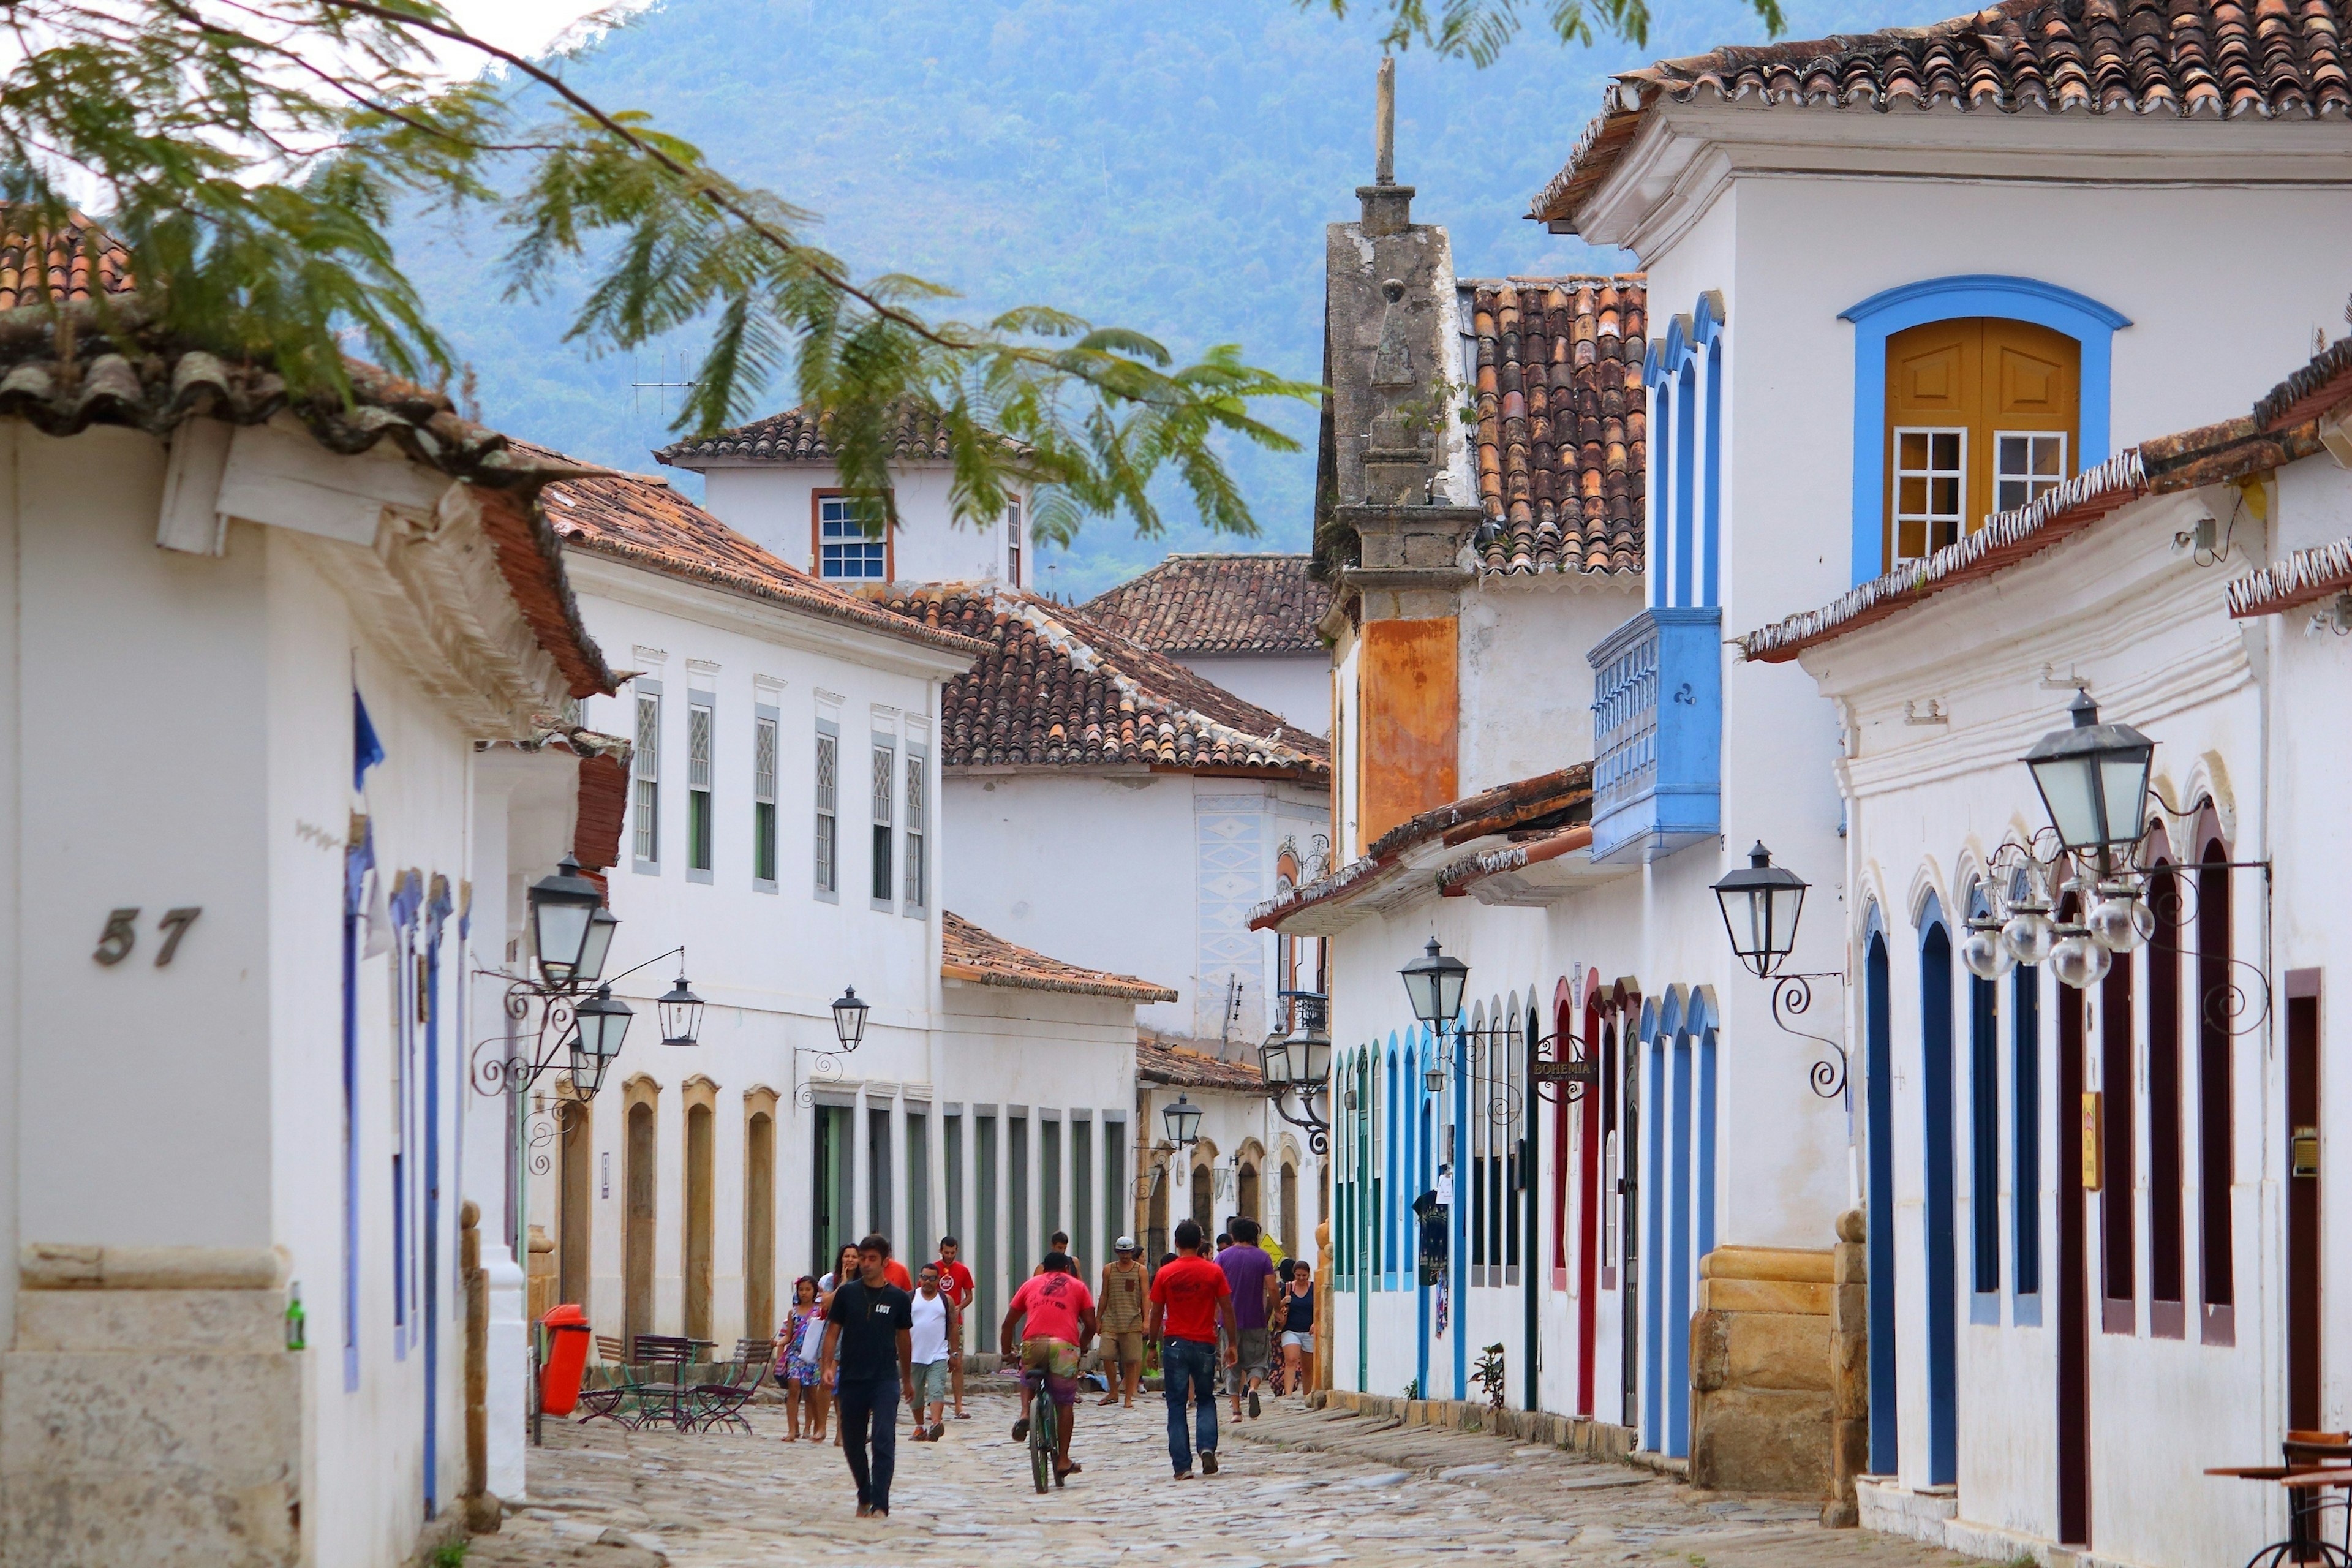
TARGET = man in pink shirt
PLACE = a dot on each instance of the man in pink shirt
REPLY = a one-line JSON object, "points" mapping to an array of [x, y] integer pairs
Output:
{"points": [[1056, 1318]]}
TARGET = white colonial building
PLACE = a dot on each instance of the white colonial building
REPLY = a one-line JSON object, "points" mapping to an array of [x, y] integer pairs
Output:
{"points": [[785, 826], [235, 1320]]}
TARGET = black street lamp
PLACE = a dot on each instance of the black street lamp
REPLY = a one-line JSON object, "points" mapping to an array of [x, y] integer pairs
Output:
{"points": [[562, 911], [1761, 903], [1183, 1121], [602, 1022], [1300, 1062], [601, 926], [849, 1019], [2094, 779], [681, 1014], [1434, 981]]}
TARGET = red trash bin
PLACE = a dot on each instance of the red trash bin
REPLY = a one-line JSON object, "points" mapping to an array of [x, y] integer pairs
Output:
{"points": [[567, 1359]]}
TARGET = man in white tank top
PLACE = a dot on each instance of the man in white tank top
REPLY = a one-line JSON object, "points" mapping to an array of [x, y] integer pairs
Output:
{"points": [[935, 1322]]}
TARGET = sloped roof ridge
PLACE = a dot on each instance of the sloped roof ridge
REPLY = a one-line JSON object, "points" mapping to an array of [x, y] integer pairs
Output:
{"points": [[1219, 602], [2218, 59], [971, 953]]}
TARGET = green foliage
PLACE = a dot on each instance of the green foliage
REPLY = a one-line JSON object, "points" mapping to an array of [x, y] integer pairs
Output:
{"points": [[1480, 31], [450, 1554], [252, 153]]}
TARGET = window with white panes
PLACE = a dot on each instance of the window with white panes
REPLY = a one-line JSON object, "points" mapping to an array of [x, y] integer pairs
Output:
{"points": [[1930, 489], [763, 800], [2027, 465], [916, 836], [844, 550], [886, 767], [699, 716], [828, 812], [646, 765], [1013, 541]]}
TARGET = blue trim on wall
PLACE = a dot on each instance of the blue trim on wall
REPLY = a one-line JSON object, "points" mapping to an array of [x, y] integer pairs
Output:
{"points": [[1653, 1381], [1394, 1203], [1680, 1261], [1710, 552], [1661, 440], [1686, 453], [1936, 1073], [1425, 1179], [1878, 1093], [2025, 1148], [1456, 1249], [2078, 316]]}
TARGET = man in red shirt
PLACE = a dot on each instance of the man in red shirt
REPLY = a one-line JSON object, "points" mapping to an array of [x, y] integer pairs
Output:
{"points": [[956, 1285], [1060, 1324], [1189, 1298]]}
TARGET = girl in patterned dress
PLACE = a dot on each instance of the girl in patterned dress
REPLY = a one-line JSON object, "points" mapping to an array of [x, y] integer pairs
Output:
{"points": [[801, 1385]]}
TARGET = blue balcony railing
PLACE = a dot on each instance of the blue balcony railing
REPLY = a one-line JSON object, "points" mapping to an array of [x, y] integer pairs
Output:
{"points": [[1657, 723]]}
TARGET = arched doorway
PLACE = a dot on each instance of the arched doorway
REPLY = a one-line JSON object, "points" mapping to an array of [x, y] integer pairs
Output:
{"points": [[637, 1226], [1204, 1200], [696, 1254], [1936, 1052], [760, 1220], [1878, 1094], [576, 1195]]}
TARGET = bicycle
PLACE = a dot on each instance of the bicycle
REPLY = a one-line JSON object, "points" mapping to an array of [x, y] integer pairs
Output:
{"points": [[1043, 1430]]}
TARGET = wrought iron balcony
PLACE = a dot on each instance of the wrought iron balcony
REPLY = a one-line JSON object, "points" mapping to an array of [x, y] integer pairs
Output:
{"points": [[1657, 734]]}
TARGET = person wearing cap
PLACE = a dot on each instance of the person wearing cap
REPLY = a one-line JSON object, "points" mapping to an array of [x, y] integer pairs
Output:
{"points": [[1120, 1303]]}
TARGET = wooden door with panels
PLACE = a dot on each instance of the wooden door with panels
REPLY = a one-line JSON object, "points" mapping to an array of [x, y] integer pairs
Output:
{"points": [[1982, 414]]}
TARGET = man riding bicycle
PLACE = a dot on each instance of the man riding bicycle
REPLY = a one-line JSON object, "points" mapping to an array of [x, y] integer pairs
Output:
{"points": [[1060, 1324]]}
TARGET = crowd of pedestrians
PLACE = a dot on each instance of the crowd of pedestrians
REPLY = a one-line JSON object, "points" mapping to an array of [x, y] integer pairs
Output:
{"points": [[861, 1340]]}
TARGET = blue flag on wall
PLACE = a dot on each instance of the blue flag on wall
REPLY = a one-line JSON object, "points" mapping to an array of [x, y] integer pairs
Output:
{"points": [[366, 749]]}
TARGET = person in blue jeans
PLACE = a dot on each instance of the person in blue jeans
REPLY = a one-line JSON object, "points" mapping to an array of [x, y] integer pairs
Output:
{"points": [[1190, 1298], [869, 1358]]}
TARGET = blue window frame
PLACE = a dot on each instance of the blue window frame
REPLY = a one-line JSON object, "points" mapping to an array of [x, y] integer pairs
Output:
{"points": [[1984, 1143], [2025, 1149], [2088, 323], [845, 553]]}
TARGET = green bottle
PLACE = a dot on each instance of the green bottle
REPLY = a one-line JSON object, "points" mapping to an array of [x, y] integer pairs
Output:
{"points": [[295, 1339]]}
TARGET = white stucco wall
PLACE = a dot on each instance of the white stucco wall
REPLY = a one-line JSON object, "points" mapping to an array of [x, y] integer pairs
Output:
{"points": [[775, 507], [1295, 686], [1180, 859]]}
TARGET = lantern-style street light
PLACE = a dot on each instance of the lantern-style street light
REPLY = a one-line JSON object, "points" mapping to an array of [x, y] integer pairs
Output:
{"points": [[849, 1019], [1300, 1062], [1184, 1121], [1760, 904], [1434, 981], [562, 911], [2093, 778], [601, 1023], [601, 926], [681, 1014]]}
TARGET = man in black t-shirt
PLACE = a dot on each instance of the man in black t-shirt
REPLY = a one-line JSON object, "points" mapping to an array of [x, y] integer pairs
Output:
{"points": [[868, 1359]]}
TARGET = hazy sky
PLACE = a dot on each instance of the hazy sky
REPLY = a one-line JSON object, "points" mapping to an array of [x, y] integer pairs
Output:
{"points": [[526, 26]]}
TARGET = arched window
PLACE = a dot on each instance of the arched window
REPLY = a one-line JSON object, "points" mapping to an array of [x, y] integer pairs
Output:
{"points": [[2215, 1146], [2167, 1312], [1981, 416], [1984, 1138]]}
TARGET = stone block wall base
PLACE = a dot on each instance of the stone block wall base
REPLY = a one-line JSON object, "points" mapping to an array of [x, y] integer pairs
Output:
{"points": [[161, 1428], [1594, 1439], [1772, 1442]]}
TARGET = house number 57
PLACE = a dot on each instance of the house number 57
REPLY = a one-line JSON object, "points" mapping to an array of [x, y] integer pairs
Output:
{"points": [[121, 934]]}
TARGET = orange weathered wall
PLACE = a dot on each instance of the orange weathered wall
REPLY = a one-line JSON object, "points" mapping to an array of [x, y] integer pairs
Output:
{"points": [[1410, 706]]}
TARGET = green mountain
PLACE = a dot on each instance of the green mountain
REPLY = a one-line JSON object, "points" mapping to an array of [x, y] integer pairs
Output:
{"points": [[1164, 164]]}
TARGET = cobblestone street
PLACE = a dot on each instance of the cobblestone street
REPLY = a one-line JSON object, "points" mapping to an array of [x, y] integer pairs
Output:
{"points": [[1297, 1488]]}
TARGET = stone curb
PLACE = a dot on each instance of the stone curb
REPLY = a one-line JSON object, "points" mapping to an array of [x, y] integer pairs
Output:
{"points": [[1578, 1435]]}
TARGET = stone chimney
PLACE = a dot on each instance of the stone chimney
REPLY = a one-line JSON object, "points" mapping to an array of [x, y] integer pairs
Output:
{"points": [[1386, 520]]}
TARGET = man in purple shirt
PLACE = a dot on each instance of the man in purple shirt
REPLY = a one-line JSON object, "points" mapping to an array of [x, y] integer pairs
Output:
{"points": [[1250, 1272]]}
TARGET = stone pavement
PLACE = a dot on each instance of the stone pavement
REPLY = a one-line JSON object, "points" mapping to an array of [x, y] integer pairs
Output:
{"points": [[1297, 1488]]}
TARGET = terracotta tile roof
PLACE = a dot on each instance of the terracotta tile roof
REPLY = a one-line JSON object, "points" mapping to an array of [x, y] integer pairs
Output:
{"points": [[641, 519], [76, 262], [1561, 421], [1056, 689], [982, 958], [2219, 59], [164, 381], [2304, 578], [797, 436], [1182, 1066], [1219, 604], [2282, 428], [603, 789], [1527, 810]]}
